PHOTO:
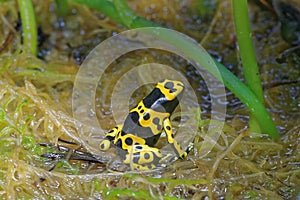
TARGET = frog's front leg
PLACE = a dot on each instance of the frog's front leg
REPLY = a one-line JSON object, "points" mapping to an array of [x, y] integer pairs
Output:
{"points": [[110, 137], [171, 140]]}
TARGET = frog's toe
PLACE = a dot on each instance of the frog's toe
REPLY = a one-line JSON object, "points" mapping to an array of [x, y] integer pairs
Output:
{"points": [[105, 145], [189, 148]]}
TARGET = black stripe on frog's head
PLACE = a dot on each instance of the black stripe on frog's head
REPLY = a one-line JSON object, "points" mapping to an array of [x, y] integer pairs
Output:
{"points": [[165, 96]]}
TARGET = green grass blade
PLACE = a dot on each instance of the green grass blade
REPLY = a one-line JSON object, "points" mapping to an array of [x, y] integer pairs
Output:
{"points": [[28, 25], [247, 52]]}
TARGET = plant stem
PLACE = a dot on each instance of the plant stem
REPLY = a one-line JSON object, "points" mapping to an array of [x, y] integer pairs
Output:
{"points": [[118, 11], [129, 18], [28, 25], [248, 57], [103, 6], [255, 106]]}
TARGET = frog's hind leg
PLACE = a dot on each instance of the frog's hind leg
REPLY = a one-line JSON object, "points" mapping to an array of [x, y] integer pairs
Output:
{"points": [[143, 157], [109, 138]]}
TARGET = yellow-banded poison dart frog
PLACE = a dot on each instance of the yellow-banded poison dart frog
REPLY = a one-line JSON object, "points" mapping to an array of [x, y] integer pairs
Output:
{"points": [[143, 126]]}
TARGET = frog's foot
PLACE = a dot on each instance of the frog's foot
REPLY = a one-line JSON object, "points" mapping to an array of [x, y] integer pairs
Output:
{"points": [[105, 145], [181, 154], [143, 157], [190, 147], [109, 138]]}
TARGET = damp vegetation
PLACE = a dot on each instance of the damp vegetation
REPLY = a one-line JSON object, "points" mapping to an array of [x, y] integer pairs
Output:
{"points": [[43, 154]]}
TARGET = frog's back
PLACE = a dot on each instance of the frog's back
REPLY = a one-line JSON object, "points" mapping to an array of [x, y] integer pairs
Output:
{"points": [[147, 118]]}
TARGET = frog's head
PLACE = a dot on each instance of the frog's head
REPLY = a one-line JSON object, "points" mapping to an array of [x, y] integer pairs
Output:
{"points": [[165, 97], [170, 89]]}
